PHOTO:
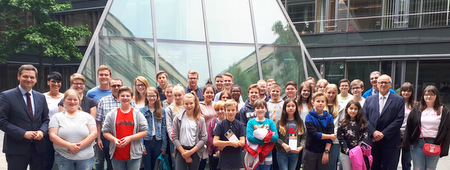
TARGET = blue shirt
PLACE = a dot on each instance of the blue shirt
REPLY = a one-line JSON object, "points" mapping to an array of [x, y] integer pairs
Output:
{"points": [[96, 94], [198, 92], [370, 91]]}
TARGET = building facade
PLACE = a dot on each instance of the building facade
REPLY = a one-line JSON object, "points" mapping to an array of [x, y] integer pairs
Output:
{"points": [[407, 39]]}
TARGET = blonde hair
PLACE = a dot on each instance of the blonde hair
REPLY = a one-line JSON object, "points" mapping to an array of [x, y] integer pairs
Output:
{"points": [[230, 102], [66, 94], [335, 102], [75, 76], [218, 105], [321, 81], [176, 108], [145, 82], [104, 67]]}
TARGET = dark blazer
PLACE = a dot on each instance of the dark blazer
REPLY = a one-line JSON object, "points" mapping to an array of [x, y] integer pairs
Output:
{"points": [[412, 131], [15, 120], [390, 120]]}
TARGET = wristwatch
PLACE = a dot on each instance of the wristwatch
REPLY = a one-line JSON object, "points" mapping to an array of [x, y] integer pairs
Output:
{"points": [[327, 151]]}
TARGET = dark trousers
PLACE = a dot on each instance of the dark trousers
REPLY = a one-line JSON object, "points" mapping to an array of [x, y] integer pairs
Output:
{"points": [[385, 158], [180, 163], [49, 153], [102, 155], [274, 165], [153, 148], [213, 162], [313, 161], [21, 162]]}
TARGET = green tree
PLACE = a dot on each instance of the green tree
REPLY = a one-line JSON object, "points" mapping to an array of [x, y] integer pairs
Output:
{"points": [[45, 38]]}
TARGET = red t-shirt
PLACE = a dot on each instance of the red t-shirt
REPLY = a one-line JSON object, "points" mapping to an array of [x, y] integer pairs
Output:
{"points": [[124, 128]]}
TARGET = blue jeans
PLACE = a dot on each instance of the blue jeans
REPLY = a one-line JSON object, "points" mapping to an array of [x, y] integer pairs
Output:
{"points": [[67, 164], [132, 164], [335, 151], [262, 167], [287, 161], [102, 155], [420, 160], [153, 148]]}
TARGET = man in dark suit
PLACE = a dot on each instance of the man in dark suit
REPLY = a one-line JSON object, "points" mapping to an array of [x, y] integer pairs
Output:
{"points": [[24, 119], [384, 113]]}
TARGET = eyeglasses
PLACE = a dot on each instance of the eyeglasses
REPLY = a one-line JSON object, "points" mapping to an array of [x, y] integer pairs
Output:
{"points": [[115, 86], [384, 82], [78, 84], [192, 78], [55, 81], [356, 88]]}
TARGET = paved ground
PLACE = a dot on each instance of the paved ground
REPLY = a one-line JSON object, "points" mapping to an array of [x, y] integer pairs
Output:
{"points": [[443, 164]]}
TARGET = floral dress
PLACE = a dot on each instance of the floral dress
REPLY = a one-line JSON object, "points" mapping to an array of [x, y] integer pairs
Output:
{"points": [[350, 135]]}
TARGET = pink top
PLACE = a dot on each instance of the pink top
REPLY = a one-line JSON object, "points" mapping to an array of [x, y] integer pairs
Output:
{"points": [[208, 112], [430, 123]]}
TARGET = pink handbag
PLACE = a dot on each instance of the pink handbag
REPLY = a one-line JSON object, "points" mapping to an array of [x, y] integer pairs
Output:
{"points": [[361, 156]]}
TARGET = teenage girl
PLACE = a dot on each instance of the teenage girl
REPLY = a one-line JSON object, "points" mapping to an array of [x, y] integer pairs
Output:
{"points": [[331, 92], [174, 109], [214, 151], [140, 87], [351, 131], [189, 134], [207, 108], [156, 140], [321, 84], [304, 101], [407, 92], [169, 96], [290, 127]]}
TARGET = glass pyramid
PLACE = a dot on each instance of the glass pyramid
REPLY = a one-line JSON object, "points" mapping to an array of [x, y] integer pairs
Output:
{"points": [[252, 39]]}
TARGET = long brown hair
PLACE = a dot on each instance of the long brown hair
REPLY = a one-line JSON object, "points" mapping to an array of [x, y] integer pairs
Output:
{"points": [[437, 103], [284, 116], [197, 112], [300, 98], [360, 118], [408, 87], [157, 105]]}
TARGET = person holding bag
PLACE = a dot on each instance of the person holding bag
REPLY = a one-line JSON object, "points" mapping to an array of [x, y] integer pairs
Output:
{"points": [[427, 129]]}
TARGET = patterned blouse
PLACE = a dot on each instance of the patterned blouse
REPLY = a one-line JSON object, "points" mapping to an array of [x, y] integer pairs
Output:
{"points": [[350, 136]]}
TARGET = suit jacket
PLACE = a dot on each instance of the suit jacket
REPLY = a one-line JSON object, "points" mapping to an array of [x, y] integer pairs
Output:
{"points": [[15, 120], [389, 121]]}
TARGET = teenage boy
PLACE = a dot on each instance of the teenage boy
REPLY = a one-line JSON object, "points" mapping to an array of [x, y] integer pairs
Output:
{"points": [[227, 83], [319, 128], [248, 112], [344, 96], [263, 88], [275, 104], [162, 78], [269, 83], [291, 90], [357, 87], [229, 134], [219, 83], [193, 80], [103, 76]]}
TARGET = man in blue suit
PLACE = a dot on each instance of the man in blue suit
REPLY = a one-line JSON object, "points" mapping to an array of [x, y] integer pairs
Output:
{"points": [[384, 112], [24, 119]]}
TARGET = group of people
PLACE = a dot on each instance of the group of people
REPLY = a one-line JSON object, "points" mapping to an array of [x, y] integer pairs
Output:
{"points": [[314, 126]]}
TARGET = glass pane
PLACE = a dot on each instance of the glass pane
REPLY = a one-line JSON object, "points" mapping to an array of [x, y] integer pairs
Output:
{"points": [[229, 21], [410, 74], [237, 60], [361, 70], [272, 27], [334, 71], [282, 64], [179, 20], [386, 67], [129, 18], [89, 72], [128, 59], [178, 58], [431, 73]]}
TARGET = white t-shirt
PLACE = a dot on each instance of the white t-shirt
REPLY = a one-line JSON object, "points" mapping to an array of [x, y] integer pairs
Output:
{"points": [[52, 104], [73, 130], [430, 123], [188, 131]]}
